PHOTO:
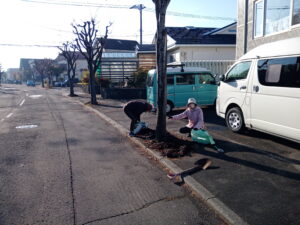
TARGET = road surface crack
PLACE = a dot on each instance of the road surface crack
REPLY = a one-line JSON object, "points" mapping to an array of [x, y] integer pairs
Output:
{"points": [[69, 157], [166, 199]]}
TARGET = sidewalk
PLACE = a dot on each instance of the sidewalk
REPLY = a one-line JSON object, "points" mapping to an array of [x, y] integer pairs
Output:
{"points": [[259, 184]]}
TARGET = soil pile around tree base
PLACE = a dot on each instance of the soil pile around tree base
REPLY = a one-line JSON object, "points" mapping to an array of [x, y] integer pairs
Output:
{"points": [[172, 146]]}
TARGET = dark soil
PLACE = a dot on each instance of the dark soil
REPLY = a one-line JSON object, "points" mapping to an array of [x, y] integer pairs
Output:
{"points": [[172, 146]]}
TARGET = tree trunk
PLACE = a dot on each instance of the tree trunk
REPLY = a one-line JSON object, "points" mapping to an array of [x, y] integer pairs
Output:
{"points": [[72, 94], [42, 78], [161, 56], [92, 86]]}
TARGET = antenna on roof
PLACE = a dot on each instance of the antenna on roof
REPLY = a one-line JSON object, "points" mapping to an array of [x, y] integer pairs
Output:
{"points": [[177, 65]]}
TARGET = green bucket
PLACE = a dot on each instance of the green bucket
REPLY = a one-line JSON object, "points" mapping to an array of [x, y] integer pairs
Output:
{"points": [[202, 137]]}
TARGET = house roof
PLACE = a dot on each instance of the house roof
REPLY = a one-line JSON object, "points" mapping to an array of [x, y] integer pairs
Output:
{"points": [[79, 54], [146, 48], [217, 30], [199, 35], [119, 44]]}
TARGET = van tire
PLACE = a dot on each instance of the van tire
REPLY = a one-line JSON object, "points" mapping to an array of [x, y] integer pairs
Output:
{"points": [[169, 107], [235, 120]]}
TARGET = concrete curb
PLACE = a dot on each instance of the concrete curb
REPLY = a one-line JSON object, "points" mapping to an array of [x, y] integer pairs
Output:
{"points": [[227, 214]]}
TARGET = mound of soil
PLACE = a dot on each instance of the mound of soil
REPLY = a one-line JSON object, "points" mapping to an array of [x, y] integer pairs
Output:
{"points": [[172, 146]]}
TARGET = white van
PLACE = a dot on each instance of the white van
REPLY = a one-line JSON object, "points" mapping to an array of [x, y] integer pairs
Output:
{"points": [[261, 90]]}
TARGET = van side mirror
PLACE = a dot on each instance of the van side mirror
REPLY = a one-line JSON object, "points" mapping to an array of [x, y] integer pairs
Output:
{"points": [[222, 77]]}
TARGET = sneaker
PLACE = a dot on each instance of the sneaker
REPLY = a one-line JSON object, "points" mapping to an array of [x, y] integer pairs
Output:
{"points": [[131, 134]]}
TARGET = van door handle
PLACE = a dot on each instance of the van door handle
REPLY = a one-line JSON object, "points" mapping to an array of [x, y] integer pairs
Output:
{"points": [[193, 88], [255, 88], [243, 87]]}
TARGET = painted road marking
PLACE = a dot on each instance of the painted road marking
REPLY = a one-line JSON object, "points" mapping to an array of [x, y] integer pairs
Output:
{"points": [[27, 94], [22, 102], [26, 126], [35, 96], [2, 120], [9, 115]]}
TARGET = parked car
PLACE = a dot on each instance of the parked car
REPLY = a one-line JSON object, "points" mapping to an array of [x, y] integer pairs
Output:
{"points": [[182, 84], [17, 82], [261, 90], [30, 83], [66, 83], [58, 84]]}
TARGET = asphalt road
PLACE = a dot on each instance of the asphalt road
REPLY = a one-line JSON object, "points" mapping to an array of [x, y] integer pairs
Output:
{"points": [[61, 164], [258, 176]]}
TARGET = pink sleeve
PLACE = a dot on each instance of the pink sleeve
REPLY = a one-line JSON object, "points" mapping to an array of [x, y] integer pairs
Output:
{"points": [[180, 116]]}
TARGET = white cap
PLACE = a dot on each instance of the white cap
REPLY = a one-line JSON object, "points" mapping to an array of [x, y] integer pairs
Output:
{"points": [[192, 100]]}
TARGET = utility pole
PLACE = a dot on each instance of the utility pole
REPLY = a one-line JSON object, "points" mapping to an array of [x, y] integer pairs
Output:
{"points": [[140, 7]]}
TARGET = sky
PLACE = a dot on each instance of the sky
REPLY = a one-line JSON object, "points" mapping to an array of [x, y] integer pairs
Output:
{"points": [[27, 24]]}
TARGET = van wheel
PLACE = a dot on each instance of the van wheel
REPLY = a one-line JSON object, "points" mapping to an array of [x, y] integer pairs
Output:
{"points": [[169, 107], [235, 120]]}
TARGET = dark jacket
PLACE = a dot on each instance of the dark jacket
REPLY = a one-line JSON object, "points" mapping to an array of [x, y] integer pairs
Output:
{"points": [[137, 107]]}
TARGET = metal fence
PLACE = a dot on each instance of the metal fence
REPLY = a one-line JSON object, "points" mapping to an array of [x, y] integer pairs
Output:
{"points": [[118, 71], [215, 66]]}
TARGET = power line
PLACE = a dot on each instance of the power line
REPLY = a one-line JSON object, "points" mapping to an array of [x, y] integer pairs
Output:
{"points": [[171, 13], [29, 45]]}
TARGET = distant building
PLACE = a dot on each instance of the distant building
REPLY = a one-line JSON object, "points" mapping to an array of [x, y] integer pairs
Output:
{"points": [[13, 74], [264, 21], [81, 65], [27, 70], [146, 55], [119, 60], [201, 43]]}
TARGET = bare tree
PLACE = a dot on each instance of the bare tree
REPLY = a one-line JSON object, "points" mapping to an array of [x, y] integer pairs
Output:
{"points": [[91, 48], [40, 68], [161, 66], [68, 50], [0, 73], [45, 67]]}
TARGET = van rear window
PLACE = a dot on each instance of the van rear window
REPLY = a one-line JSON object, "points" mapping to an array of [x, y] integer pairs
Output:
{"points": [[282, 72]]}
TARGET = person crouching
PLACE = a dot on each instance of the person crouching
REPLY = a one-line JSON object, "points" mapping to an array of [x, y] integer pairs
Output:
{"points": [[195, 116]]}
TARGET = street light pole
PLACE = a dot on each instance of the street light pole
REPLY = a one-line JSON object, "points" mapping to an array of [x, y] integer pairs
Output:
{"points": [[140, 7]]}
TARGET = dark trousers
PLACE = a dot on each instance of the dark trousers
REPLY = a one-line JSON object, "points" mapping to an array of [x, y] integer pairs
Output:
{"points": [[185, 130], [134, 118]]}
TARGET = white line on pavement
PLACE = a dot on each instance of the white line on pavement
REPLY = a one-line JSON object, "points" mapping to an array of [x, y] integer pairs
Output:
{"points": [[22, 102], [27, 94], [2, 120], [9, 115]]}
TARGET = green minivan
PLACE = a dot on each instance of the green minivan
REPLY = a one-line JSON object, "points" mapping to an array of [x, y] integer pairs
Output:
{"points": [[182, 84]]}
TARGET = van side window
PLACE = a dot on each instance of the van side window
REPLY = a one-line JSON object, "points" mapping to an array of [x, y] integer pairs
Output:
{"points": [[170, 80], [239, 71], [185, 79], [206, 79], [281, 72]]}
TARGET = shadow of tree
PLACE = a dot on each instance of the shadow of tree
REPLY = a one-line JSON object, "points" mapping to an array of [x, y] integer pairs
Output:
{"points": [[266, 168]]}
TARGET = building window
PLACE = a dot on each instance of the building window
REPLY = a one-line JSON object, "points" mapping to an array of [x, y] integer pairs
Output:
{"points": [[277, 15], [296, 12], [258, 18], [271, 16]]}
